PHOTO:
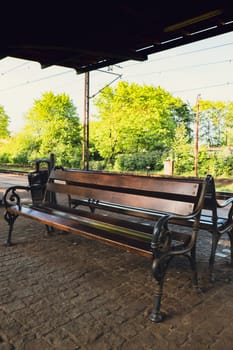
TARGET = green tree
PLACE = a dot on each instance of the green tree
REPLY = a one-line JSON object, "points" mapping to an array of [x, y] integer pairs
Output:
{"points": [[19, 149], [4, 123], [182, 151], [133, 119], [52, 125], [228, 125], [215, 123]]}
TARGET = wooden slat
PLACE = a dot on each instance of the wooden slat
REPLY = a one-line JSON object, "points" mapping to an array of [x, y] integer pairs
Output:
{"points": [[164, 194], [187, 187], [137, 201], [88, 229], [130, 222]]}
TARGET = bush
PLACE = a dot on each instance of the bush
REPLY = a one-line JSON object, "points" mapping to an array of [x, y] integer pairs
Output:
{"points": [[143, 161], [98, 165], [4, 158]]}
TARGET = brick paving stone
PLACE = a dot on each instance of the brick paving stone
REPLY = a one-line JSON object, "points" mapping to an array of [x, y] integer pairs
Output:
{"points": [[33, 344], [65, 292], [223, 340], [6, 346], [59, 340]]}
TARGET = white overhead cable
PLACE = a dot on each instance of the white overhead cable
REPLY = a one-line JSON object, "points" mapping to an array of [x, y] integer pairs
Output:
{"points": [[203, 87], [14, 68], [183, 68], [180, 54], [35, 80]]}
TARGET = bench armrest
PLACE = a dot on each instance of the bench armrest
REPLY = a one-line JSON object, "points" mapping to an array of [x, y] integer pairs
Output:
{"points": [[226, 203], [162, 237], [12, 195]]}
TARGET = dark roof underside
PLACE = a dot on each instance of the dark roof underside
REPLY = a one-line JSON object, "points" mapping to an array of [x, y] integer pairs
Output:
{"points": [[89, 35]]}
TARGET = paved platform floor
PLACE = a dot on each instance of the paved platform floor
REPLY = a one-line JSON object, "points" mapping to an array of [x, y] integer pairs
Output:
{"points": [[64, 292]]}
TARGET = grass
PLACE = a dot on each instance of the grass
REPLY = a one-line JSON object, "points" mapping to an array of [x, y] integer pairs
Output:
{"points": [[224, 185]]}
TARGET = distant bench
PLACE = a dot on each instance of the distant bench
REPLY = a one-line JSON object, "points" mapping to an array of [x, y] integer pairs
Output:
{"points": [[127, 211], [217, 218]]}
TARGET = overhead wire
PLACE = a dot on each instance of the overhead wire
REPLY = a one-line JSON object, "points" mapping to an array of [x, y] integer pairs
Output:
{"points": [[181, 54], [204, 87], [131, 75], [183, 68], [14, 68], [36, 80]]}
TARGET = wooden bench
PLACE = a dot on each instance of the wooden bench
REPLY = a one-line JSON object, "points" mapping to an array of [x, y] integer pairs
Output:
{"points": [[127, 211]]}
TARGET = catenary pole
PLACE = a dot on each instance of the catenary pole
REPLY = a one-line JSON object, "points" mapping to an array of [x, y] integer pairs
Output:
{"points": [[196, 135], [85, 150]]}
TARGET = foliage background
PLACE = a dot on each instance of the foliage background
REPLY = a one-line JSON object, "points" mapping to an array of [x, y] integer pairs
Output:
{"points": [[136, 128]]}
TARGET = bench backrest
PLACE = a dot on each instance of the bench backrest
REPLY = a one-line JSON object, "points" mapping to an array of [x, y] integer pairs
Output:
{"points": [[154, 193]]}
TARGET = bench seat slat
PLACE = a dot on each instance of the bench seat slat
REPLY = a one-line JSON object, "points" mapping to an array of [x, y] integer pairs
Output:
{"points": [[206, 221], [126, 239], [128, 221]]}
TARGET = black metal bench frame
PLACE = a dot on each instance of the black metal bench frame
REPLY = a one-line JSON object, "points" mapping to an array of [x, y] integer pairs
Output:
{"points": [[160, 201]]}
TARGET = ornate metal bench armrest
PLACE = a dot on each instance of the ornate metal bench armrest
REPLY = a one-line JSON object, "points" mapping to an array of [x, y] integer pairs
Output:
{"points": [[162, 237], [12, 197], [226, 203]]}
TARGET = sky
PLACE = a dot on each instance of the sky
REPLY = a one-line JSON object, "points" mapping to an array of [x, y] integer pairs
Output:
{"points": [[203, 68]]}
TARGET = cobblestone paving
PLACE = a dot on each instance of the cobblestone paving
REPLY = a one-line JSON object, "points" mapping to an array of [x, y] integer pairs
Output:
{"points": [[68, 293]]}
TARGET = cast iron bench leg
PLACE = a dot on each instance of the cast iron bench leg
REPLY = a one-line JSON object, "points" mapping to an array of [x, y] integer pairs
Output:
{"points": [[156, 315], [158, 270], [10, 218], [49, 229], [215, 239], [230, 234], [192, 259]]}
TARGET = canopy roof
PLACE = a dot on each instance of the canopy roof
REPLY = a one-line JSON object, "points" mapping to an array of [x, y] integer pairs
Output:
{"points": [[88, 35]]}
